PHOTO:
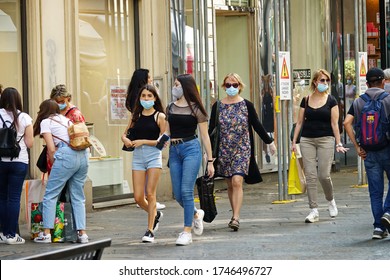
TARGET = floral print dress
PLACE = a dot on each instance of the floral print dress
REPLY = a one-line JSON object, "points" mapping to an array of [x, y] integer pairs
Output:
{"points": [[234, 145]]}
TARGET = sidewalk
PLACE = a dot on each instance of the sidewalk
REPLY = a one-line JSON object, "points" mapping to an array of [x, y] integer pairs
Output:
{"points": [[267, 231]]}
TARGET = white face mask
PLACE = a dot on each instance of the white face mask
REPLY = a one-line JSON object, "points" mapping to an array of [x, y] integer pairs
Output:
{"points": [[387, 87], [177, 92]]}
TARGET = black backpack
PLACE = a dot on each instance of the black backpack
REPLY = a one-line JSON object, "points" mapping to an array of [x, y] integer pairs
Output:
{"points": [[9, 146]]}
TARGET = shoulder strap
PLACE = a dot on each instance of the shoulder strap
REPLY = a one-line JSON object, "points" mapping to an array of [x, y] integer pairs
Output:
{"points": [[58, 122], [2, 120], [365, 97], [382, 96], [70, 110]]}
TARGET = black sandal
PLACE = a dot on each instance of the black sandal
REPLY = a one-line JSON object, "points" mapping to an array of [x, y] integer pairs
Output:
{"points": [[234, 224]]}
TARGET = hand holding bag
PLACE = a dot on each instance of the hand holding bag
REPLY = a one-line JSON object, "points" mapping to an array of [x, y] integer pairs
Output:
{"points": [[130, 136], [205, 186]]}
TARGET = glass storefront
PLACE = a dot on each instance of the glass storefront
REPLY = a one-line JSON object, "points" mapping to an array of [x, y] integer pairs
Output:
{"points": [[10, 45], [107, 61]]}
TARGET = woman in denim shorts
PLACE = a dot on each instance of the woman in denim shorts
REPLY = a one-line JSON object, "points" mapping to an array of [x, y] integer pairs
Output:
{"points": [[147, 124]]}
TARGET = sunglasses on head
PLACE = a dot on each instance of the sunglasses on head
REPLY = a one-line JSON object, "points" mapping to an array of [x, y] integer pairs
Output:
{"points": [[324, 80], [228, 85]]}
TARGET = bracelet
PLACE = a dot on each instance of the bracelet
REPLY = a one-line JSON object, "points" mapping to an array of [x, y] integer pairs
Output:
{"points": [[210, 160], [339, 145]]}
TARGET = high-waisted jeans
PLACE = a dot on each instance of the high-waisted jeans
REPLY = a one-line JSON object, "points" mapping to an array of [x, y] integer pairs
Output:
{"points": [[184, 164], [69, 166]]}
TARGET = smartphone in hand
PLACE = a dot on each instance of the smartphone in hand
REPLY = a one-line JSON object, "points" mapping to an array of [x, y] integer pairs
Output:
{"points": [[161, 141]]}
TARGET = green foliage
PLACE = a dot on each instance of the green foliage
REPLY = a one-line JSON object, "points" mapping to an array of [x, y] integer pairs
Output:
{"points": [[350, 69]]}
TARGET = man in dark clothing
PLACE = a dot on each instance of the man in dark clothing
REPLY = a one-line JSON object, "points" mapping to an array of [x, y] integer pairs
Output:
{"points": [[377, 158]]}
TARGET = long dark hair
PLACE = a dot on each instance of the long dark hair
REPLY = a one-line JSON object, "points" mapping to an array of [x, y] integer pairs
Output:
{"points": [[138, 107], [190, 92], [139, 79], [11, 101], [47, 108]]}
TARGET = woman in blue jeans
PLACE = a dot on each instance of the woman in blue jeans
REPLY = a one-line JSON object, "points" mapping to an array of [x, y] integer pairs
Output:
{"points": [[185, 115], [68, 166], [13, 170]]}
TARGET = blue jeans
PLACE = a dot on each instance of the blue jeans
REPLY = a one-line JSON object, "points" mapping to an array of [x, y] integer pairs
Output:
{"points": [[184, 164], [376, 163], [12, 176], [72, 167]]}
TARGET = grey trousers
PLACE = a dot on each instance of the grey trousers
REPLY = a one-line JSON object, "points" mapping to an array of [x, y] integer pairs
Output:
{"points": [[318, 152]]}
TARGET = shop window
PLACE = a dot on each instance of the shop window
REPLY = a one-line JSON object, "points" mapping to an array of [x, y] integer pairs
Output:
{"points": [[10, 49]]}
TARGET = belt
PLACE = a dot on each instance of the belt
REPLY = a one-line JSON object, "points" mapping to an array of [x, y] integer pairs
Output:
{"points": [[180, 141]]}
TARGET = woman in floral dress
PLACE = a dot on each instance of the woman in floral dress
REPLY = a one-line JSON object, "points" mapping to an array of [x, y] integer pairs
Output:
{"points": [[235, 156]]}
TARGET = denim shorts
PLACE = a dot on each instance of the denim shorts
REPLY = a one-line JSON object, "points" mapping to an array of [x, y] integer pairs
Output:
{"points": [[145, 157]]}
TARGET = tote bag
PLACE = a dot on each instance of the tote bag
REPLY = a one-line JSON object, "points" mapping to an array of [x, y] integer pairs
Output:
{"points": [[294, 182], [205, 186]]}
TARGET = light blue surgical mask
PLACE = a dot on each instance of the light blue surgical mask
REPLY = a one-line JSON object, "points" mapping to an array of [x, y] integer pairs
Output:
{"points": [[387, 87], [322, 87], [62, 106], [232, 91], [349, 82], [147, 104]]}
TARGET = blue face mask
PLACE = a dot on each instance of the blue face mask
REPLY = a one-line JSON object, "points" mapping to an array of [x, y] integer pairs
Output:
{"points": [[322, 87], [232, 91], [147, 104], [62, 106]]}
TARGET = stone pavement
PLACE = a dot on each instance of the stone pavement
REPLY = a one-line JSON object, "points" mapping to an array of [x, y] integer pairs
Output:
{"points": [[268, 231]]}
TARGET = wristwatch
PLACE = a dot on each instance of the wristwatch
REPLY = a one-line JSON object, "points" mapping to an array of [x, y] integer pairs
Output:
{"points": [[339, 145]]}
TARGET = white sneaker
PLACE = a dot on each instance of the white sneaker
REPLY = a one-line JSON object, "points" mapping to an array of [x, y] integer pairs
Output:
{"points": [[14, 240], [333, 209], [42, 238], [160, 206], [197, 224], [82, 238], [185, 238], [313, 216], [2, 238]]}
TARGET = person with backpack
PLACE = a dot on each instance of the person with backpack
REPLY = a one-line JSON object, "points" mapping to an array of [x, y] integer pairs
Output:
{"points": [[67, 165], [13, 169], [318, 118], [367, 125]]}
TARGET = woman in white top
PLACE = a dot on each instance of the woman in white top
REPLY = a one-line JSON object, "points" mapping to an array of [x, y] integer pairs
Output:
{"points": [[68, 165], [13, 170]]}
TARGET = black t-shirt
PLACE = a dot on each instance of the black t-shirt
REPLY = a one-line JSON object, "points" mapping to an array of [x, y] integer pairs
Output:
{"points": [[317, 122]]}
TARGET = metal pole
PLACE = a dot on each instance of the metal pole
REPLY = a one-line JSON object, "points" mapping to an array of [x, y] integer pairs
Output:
{"points": [[278, 117]]}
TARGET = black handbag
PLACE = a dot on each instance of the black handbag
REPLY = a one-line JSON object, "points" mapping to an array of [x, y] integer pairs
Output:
{"points": [[130, 136], [205, 186], [42, 160]]}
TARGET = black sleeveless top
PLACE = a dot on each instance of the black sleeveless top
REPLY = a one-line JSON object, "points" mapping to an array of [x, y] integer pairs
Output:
{"points": [[146, 128]]}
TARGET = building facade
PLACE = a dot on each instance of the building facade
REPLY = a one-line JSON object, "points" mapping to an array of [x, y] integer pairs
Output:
{"points": [[93, 46]]}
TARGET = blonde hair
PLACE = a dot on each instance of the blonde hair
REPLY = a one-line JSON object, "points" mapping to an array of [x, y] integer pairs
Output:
{"points": [[237, 77], [316, 75], [59, 91]]}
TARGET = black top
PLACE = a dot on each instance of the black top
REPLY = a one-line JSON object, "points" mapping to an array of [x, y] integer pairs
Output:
{"points": [[317, 121], [182, 122], [146, 127]]}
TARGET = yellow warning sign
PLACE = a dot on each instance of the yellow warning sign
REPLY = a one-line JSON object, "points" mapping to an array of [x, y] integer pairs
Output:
{"points": [[363, 70], [284, 74]]}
